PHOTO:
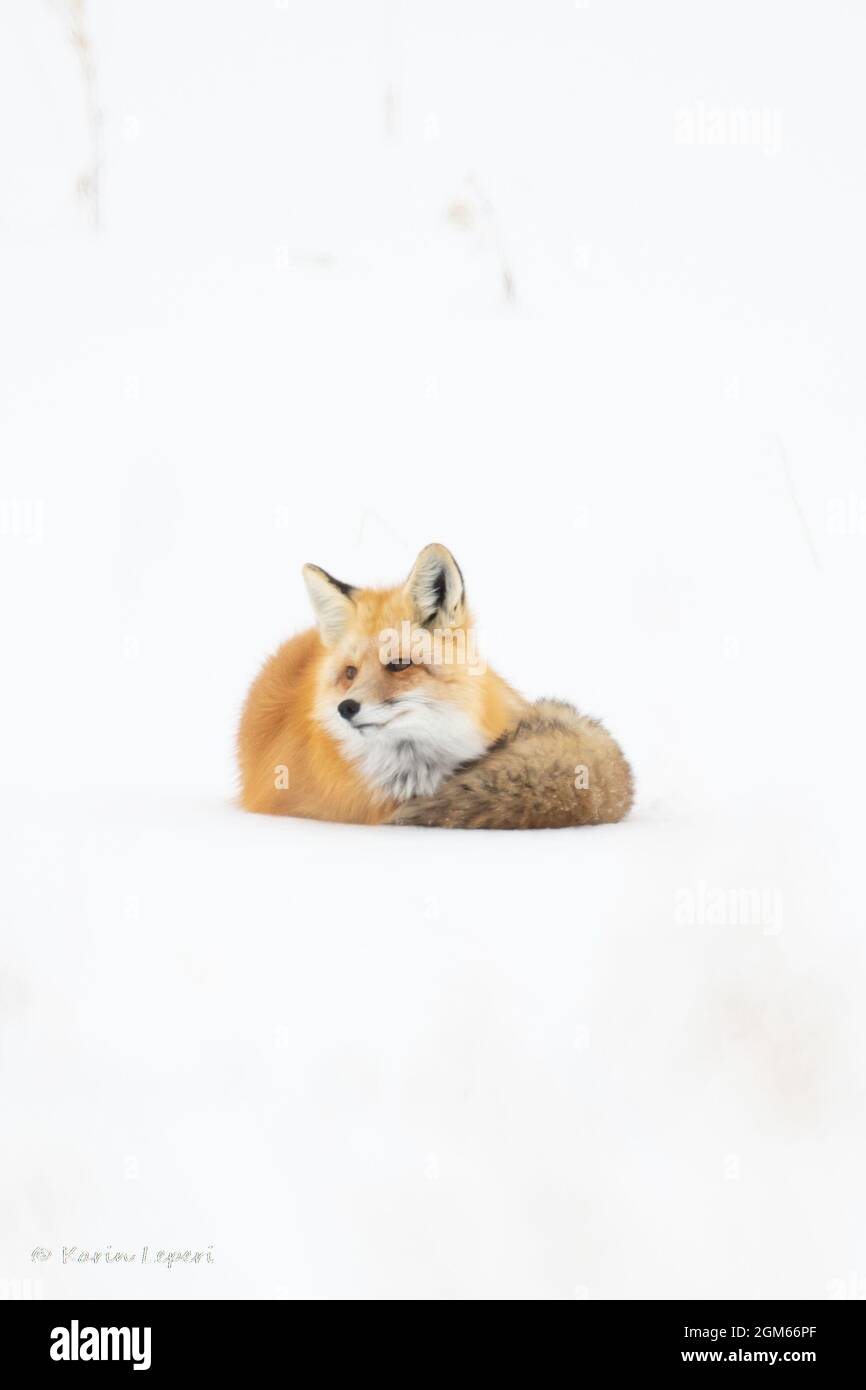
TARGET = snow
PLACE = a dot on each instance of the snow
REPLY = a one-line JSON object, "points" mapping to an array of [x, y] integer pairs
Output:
{"points": [[368, 277]]}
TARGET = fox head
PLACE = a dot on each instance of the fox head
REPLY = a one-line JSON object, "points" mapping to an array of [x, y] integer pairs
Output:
{"points": [[398, 685]]}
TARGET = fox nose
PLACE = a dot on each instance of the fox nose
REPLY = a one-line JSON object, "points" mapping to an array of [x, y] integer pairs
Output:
{"points": [[348, 708]]}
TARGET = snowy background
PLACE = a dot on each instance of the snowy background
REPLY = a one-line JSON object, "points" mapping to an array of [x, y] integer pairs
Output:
{"points": [[578, 290]]}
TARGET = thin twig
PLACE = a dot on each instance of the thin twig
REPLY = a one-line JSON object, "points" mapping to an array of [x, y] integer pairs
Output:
{"points": [[461, 214], [88, 181]]}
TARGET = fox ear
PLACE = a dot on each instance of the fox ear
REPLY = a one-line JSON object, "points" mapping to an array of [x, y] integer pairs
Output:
{"points": [[436, 588], [332, 603]]}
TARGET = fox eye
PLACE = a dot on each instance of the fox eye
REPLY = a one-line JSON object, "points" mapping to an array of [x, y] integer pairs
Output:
{"points": [[397, 665], [350, 673]]}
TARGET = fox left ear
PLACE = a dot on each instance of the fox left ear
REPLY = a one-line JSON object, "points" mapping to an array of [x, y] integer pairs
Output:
{"points": [[436, 588], [333, 603]]}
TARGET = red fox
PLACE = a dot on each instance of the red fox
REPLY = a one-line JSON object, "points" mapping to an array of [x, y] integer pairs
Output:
{"points": [[371, 712]]}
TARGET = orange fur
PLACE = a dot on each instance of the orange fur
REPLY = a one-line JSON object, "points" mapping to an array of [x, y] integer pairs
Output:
{"points": [[281, 725]]}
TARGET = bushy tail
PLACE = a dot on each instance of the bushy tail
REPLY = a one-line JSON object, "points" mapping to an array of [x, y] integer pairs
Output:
{"points": [[554, 768]]}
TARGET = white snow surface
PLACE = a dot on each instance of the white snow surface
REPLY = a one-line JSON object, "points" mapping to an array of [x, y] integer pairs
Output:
{"points": [[623, 1062]]}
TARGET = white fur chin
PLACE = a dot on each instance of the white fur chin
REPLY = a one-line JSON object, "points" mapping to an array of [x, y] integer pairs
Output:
{"points": [[415, 751]]}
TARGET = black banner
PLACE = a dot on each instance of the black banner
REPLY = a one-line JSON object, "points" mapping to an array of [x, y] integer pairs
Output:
{"points": [[157, 1338]]}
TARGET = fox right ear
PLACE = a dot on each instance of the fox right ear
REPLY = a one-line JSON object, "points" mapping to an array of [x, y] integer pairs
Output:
{"points": [[332, 603], [436, 587]]}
